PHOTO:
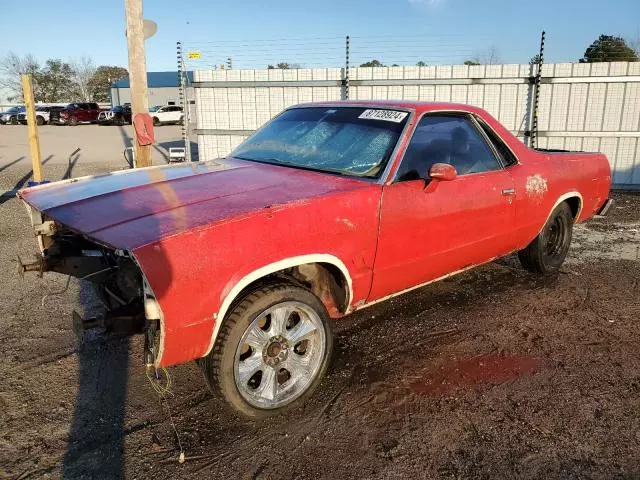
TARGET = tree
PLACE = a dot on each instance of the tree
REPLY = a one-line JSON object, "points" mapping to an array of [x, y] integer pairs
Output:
{"points": [[421, 64], [284, 66], [635, 43], [12, 66], [491, 56], [372, 63], [100, 82], [83, 70], [535, 60], [608, 48], [55, 82]]}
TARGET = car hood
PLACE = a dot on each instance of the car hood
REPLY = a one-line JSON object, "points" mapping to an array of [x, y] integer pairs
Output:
{"points": [[129, 209]]}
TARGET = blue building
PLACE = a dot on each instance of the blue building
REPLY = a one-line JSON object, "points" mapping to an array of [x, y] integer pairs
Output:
{"points": [[162, 87]]}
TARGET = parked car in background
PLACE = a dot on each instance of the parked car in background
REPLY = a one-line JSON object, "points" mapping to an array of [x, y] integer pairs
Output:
{"points": [[76, 113], [167, 114], [118, 115], [10, 116], [43, 113], [243, 262]]}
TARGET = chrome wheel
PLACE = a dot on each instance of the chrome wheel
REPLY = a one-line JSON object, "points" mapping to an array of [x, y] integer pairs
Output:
{"points": [[279, 355]]}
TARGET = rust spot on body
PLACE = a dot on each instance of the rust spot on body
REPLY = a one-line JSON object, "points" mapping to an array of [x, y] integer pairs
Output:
{"points": [[536, 185]]}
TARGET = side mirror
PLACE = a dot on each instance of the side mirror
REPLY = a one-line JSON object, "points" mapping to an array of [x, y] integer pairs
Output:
{"points": [[443, 171]]}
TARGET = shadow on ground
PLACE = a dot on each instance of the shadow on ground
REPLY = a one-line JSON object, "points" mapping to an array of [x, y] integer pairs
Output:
{"points": [[96, 439]]}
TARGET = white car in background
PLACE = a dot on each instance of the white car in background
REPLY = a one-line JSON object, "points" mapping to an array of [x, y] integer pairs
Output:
{"points": [[166, 114], [43, 113]]}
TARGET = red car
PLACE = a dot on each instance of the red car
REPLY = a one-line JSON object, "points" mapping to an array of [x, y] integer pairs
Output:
{"points": [[241, 263], [75, 113]]}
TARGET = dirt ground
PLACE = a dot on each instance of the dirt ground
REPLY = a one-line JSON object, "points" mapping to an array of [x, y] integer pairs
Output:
{"points": [[490, 374]]}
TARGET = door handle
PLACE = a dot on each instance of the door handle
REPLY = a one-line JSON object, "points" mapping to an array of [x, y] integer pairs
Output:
{"points": [[508, 191]]}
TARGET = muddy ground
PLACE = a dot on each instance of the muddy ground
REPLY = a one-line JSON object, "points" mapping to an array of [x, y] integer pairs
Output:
{"points": [[491, 374]]}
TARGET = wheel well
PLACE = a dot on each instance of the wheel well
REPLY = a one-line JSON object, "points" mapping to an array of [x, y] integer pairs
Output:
{"points": [[576, 205], [325, 280]]}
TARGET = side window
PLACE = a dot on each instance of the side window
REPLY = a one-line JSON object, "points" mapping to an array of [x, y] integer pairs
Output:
{"points": [[507, 157], [451, 139]]}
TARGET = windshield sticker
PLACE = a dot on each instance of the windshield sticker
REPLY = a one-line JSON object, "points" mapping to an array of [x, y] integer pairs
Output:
{"points": [[387, 115]]}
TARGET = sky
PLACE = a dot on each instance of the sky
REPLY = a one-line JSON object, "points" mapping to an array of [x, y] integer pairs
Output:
{"points": [[311, 33]]}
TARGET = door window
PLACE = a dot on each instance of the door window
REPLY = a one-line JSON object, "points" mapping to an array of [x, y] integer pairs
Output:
{"points": [[451, 139]]}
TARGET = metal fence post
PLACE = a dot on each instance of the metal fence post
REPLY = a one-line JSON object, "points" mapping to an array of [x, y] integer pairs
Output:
{"points": [[346, 69], [530, 107], [534, 124], [184, 103]]}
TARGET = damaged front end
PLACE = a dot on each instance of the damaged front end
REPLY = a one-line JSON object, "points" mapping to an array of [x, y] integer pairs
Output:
{"points": [[117, 280]]}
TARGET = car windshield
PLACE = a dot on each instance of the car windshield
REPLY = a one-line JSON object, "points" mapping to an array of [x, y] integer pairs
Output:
{"points": [[346, 140], [117, 108], [154, 109], [14, 110]]}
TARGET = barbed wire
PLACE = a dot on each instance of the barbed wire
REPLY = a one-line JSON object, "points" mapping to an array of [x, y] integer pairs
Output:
{"points": [[383, 50]]}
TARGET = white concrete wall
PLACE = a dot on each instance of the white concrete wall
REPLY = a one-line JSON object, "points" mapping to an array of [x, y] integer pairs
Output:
{"points": [[591, 107]]}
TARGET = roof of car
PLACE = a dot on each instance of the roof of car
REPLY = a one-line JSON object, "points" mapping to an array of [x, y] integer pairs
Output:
{"points": [[405, 104]]}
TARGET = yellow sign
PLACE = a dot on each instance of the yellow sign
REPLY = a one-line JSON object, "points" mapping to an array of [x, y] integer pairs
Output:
{"points": [[193, 55]]}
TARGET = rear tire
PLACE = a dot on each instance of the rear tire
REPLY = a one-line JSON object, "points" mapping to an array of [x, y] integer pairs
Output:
{"points": [[263, 363], [40, 120], [547, 252]]}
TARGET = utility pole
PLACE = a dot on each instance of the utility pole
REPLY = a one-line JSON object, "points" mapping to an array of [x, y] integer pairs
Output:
{"points": [[34, 141], [137, 72]]}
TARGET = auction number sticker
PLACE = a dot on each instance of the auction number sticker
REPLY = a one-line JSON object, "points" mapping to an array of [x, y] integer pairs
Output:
{"points": [[387, 115]]}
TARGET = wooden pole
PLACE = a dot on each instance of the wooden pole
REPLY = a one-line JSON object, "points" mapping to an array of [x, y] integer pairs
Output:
{"points": [[137, 72], [32, 127]]}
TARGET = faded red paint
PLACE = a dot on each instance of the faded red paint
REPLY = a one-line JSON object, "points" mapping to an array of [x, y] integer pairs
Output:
{"points": [[475, 372], [197, 229]]}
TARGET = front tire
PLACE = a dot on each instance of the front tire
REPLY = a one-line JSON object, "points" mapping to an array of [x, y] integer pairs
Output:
{"points": [[156, 121], [547, 252], [40, 120], [271, 352], [73, 121]]}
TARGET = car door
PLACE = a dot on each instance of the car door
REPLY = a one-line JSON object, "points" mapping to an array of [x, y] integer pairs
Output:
{"points": [[161, 114], [83, 112], [178, 114], [173, 114], [430, 228], [94, 111]]}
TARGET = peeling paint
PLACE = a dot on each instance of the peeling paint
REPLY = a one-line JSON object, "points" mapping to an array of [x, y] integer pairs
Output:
{"points": [[347, 222], [536, 185]]}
